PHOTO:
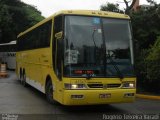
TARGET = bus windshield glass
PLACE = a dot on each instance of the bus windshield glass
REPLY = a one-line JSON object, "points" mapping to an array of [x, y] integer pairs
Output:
{"points": [[118, 43], [89, 40]]}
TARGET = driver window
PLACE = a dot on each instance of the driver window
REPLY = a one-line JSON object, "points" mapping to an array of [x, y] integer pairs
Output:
{"points": [[57, 47]]}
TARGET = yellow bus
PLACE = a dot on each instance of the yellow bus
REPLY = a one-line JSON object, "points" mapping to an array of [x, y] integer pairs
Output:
{"points": [[79, 57]]}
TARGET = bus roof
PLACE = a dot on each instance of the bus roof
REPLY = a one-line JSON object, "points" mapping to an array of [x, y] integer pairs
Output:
{"points": [[97, 13], [93, 13], [10, 43]]}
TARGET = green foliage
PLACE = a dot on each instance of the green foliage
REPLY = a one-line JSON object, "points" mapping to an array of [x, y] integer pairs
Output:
{"points": [[32, 14], [140, 67], [15, 17], [153, 71], [153, 62], [155, 51], [146, 28], [111, 7], [5, 23]]}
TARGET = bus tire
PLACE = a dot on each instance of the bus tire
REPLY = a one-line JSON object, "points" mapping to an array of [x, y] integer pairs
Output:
{"points": [[20, 76], [24, 80], [49, 92]]}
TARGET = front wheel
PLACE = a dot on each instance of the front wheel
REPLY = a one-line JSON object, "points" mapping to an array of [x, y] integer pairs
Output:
{"points": [[49, 92]]}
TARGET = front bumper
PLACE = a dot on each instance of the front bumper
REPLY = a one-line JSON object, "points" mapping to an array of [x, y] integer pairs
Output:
{"points": [[91, 97]]}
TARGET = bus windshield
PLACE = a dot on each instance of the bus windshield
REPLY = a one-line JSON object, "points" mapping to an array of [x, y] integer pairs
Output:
{"points": [[89, 40], [118, 43]]}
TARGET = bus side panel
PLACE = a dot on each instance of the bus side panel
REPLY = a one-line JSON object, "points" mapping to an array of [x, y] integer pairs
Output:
{"points": [[45, 65], [48, 71]]}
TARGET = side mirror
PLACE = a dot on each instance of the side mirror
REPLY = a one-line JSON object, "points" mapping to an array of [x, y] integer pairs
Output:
{"points": [[59, 35]]}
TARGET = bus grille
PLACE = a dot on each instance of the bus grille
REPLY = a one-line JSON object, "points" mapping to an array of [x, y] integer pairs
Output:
{"points": [[113, 85], [95, 85], [104, 86]]}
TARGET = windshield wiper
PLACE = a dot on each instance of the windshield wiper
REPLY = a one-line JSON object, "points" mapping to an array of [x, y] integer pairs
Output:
{"points": [[115, 66], [93, 38]]}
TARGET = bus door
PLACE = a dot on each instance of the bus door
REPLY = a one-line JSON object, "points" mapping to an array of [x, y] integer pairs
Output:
{"points": [[58, 55]]}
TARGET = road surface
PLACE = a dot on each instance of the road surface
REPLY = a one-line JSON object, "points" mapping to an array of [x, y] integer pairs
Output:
{"points": [[28, 103]]}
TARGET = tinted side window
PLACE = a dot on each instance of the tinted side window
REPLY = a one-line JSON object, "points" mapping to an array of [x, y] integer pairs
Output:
{"points": [[58, 24], [37, 38], [57, 28], [45, 35], [57, 53]]}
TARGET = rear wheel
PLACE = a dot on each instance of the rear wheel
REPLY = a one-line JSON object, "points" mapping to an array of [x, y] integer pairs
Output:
{"points": [[20, 76], [24, 80], [50, 92]]}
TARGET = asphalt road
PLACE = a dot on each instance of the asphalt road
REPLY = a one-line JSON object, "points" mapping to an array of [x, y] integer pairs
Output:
{"points": [[28, 103]]}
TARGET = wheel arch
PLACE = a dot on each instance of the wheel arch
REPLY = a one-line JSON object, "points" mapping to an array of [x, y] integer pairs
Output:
{"points": [[19, 74], [24, 71], [48, 78], [20, 70]]}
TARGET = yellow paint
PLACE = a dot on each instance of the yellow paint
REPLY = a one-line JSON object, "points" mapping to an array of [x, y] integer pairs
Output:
{"points": [[38, 65], [92, 97]]}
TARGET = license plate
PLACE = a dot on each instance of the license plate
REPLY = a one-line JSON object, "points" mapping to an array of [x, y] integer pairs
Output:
{"points": [[108, 95]]}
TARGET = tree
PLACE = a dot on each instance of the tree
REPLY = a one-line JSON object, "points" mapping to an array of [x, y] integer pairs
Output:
{"points": [[111, 7], [146, 30], [5, 24], [15, 17], [146, 26], [129, 7], [115, 7]]}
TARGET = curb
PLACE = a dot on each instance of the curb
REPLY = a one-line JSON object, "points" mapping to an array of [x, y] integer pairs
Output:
{"points": [[148, 97]]}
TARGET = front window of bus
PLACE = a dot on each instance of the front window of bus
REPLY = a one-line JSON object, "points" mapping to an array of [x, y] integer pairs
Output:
{"points": [[97, 47], [83, 47], [119, 50]]}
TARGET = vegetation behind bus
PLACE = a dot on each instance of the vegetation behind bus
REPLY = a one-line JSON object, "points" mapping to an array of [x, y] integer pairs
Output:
{"points": [[16, 16]]}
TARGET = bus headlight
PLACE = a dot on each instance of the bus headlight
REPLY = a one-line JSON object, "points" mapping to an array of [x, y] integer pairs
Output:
{"points": [[128, 85], [74, 86]]}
